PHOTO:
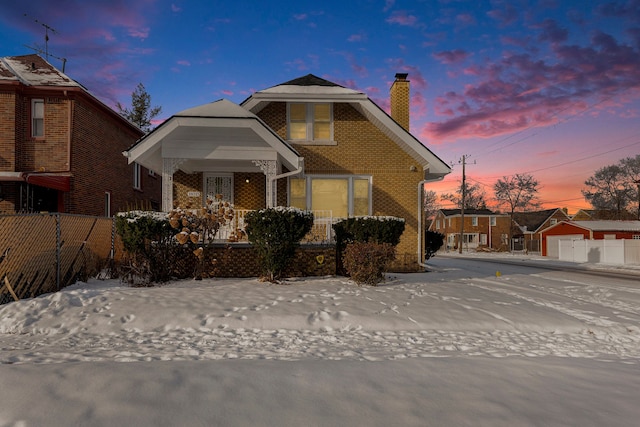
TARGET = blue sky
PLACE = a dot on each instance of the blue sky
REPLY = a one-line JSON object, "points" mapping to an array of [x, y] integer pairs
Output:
{"points": [[548, 87]]}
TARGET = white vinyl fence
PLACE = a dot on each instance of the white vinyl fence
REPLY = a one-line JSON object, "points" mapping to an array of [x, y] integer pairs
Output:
{"points": [[600, 251]]}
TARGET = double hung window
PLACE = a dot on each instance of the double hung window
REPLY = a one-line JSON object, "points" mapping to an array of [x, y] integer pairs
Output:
{"points": [[310, 121], [37, 118]]}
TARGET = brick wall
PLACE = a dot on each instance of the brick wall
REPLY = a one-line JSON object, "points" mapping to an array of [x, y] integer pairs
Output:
{"points": [[501, 228], [363, 149], [7, 132], [98, 165]]}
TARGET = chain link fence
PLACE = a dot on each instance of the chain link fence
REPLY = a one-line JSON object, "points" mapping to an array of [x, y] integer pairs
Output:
{"points": [[42, 253]]}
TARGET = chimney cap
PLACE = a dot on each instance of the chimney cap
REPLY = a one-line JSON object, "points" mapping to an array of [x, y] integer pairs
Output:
{"points": [[401, 76]]}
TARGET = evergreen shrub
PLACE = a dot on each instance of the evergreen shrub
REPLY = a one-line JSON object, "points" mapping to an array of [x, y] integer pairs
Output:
{"points": [[147, 239], [433, 242], [275, 233]]}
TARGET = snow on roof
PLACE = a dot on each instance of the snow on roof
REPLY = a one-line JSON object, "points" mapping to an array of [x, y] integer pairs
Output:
{"points": [[32, 70], [309, 85], [609, 225]]}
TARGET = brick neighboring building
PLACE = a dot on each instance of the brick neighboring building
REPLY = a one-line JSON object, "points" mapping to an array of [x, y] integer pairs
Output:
{"points": [[61, 148], [528, 225], [307, 143], [482, 228]]}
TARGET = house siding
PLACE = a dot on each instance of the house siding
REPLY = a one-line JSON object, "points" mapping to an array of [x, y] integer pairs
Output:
{"points": [[362, 149]]}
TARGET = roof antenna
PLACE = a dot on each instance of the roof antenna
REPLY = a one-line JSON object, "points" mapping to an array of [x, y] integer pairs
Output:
{"points": [[47, 28]]}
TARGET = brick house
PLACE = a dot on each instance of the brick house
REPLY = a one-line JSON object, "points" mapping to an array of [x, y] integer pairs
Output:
{"points": [[482, 228], [307, 143], [61, 148], [528, 225]]}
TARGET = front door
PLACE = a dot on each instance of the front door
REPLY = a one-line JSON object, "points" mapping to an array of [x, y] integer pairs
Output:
{"points": [[218, 184]]}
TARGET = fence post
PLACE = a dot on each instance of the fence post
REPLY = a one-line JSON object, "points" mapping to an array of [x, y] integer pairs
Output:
{"points": [[58, 250]]}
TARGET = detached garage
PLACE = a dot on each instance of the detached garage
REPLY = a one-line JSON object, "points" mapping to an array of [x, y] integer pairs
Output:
{"points": [[586, 230]]}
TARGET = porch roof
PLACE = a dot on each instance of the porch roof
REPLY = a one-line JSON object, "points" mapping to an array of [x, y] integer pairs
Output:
{"points": [[219, 136]]}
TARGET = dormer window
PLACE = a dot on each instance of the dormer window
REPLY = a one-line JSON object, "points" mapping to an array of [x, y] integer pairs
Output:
{"points": [[37, 118], [309, 122]]}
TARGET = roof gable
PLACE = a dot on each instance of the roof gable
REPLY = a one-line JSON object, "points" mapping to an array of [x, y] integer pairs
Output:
{"points": [[309, 80], [220, 131], [532, 221], [311, 88]]}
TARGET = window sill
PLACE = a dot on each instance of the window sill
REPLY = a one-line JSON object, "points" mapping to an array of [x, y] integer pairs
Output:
{"points": [[305, 142]]}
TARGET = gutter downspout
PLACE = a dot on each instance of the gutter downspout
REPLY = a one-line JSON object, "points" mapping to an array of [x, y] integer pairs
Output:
{"points": [[285, 175], [420, 214]]}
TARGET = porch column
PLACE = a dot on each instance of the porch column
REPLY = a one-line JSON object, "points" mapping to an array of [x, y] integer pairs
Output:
{"points": [[270, 169], [169, 166]]}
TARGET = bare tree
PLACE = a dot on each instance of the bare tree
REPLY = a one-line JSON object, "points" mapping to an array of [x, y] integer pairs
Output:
{"points": [[631, 166], [430, 203], [475, 197], [610, 188], [140, 112], [516, 192]]}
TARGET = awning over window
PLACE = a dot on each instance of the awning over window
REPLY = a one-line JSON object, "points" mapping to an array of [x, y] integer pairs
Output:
{"points": [[55, 182]]}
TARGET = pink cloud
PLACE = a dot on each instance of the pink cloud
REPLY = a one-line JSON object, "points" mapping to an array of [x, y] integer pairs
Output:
{"points": [[300, 16], [227, 92], [519, 91], [415, 75], [184, 63], [402, 18], [465, 19], [451, 56], [175, 8]]}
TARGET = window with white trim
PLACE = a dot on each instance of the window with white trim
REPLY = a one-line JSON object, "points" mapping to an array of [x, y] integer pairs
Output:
{"points": [[493, 221], [474, 221], [137, 176], [635, 237], [344, 196], [309, 121], [37, 118]]}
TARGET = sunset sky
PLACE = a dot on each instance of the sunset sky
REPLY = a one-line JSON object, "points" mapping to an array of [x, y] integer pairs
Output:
{"points": [[548, 87]]}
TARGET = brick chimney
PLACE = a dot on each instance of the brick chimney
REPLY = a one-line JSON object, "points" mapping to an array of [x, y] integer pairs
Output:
{"points": [[400, 100]]}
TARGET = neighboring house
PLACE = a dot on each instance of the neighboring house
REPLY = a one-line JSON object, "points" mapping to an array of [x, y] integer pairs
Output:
{"points": [[587, 230], [482, 227], [601, 214], [60, 147], [307, 143], [527, 226]]}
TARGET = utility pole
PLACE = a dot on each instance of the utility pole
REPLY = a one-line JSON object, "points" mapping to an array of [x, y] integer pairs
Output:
{"points": [[464, 195], [638, 184]]}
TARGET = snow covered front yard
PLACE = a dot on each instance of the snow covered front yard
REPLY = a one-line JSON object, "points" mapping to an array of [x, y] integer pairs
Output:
{"points": [[438, 348]]}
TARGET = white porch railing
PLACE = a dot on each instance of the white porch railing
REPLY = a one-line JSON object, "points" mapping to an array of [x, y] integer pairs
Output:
{"points": [[321, 232]]}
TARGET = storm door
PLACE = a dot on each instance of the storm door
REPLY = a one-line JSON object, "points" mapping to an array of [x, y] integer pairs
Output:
{"points": [[218, 184]]}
